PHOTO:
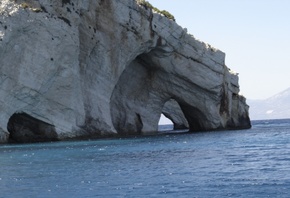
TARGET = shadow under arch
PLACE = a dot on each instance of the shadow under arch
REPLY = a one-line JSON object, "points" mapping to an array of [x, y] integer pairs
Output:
{"points": [[195, 117]]}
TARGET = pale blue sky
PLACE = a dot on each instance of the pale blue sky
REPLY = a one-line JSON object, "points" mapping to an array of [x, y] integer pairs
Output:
{"points": [[254, 34]]}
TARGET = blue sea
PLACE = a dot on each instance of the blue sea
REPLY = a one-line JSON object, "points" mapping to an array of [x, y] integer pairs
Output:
{"points": [[240, 163]]}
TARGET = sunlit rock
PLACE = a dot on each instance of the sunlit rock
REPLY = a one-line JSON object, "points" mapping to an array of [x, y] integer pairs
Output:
{"points": [[97, 68]]}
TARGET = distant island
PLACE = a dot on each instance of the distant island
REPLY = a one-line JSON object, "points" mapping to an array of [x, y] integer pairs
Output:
{"points": [[275, 107]]}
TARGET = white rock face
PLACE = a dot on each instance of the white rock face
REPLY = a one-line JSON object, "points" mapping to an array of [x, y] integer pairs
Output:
{"points": [[82, 68]]}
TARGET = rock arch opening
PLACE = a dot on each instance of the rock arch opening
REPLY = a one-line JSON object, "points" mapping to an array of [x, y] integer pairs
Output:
{"points": [[150, 86], [165, 123], [138, 97], [172, 111], [24, 128], [164, 120]]}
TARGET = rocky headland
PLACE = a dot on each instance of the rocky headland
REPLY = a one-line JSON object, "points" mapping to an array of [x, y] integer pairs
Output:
{"points": [[95, 68]]}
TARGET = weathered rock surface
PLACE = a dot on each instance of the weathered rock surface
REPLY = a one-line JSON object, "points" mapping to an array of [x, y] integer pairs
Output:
{"points": [[173, 112], [83, 68]]}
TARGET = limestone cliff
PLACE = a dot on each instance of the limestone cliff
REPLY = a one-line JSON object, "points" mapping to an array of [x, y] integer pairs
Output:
{"points": [[92, 68]]}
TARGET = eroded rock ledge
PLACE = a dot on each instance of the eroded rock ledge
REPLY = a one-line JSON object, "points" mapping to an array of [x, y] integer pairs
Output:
{"points": [[83, 68]]}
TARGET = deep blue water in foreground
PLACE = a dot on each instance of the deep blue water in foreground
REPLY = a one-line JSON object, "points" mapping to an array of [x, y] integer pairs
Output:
{"points": [[245, 163]]}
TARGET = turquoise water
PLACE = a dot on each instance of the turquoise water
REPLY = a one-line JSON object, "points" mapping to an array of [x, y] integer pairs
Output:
{"points": [[246, 163]]}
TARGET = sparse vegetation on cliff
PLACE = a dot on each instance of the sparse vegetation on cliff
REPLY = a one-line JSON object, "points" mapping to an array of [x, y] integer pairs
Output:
{"points": [[26, 5], [147, 5]]}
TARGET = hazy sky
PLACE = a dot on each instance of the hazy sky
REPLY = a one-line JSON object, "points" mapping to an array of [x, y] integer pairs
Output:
{"points": [[254, 34]]}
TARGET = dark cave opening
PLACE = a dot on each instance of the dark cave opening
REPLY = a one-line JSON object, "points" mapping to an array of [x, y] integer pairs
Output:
{"points": [[24, 128]]}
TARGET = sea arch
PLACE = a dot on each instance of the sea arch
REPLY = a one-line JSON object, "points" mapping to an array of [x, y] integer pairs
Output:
{"points": [[146, 87]]}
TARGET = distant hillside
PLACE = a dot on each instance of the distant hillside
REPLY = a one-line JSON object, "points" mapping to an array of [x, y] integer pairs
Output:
{"points": [[275, 107]]}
